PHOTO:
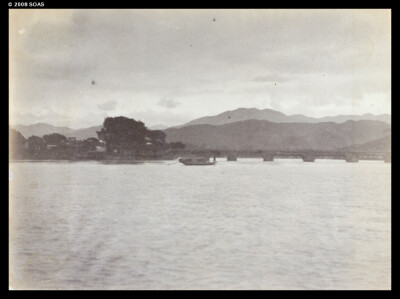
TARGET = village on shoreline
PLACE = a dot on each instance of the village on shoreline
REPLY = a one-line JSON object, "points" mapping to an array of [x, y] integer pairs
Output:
{"points": [[120, 138]]}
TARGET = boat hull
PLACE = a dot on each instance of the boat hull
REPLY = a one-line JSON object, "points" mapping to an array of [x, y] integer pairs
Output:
{"points": [[198, 163]]}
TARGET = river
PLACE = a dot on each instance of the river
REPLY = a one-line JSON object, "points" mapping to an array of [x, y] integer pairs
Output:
{"points": [[248, 224]]}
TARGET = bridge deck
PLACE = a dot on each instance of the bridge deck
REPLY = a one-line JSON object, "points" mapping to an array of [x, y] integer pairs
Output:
{"points": [[306, 155]]}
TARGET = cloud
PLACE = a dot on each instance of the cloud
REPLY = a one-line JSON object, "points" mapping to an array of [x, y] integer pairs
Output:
{"points": [[108, 106], [317, 58], [271, 78], [152, 117], [168, 103]]}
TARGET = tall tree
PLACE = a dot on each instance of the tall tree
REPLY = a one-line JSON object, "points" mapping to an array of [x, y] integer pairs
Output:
{"points": [[17, 144], [16, 138], [157, 136], [36, 144], [122, 133]]}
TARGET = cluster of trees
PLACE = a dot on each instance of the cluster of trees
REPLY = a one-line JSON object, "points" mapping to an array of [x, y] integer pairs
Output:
{"points": [[119, 135], [16, 144], [177, 145], [122, 133], [51, 146]]}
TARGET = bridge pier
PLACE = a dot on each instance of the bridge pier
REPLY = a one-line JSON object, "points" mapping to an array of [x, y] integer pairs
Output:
{"points": [[231, 157], [308, 158], [352, 158], [268, 157]]}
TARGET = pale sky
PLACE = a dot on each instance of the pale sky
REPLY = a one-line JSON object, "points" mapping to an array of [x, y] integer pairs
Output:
{"points": [[75, 67]]}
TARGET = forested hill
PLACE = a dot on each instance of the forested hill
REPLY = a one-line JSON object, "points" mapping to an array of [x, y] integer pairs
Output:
{"points": [[243, 114], [265, 135], [377, 145]]}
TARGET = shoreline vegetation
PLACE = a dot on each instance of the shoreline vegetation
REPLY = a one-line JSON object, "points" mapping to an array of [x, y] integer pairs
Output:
{"points": [[120, 140], [125, 140]]}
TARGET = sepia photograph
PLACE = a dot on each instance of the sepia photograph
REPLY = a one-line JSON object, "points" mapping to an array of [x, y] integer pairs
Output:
{"points": [[199, 149]]}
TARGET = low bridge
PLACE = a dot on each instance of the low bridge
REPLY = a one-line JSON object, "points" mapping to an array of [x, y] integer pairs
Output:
{"points": [[305, 155]]}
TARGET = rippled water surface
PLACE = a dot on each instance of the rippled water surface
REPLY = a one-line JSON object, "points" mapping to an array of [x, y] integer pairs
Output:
{"points": [[236, 225]]}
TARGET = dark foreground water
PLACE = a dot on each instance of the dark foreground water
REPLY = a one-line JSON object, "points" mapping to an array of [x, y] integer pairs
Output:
{"points": [[236, 225]]}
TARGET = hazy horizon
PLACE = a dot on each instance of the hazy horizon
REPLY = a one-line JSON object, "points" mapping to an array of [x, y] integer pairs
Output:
{"points": [[160, 124], [74, 67]]}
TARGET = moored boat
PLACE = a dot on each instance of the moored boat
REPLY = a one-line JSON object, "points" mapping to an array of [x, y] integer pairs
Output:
{"points": [[196, 161]]}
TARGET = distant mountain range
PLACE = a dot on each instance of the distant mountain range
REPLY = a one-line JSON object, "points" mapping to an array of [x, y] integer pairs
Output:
{"points": [[41, 129], [158, 127], [253, 129], [243, 114], [266, 135], [82, 134]]}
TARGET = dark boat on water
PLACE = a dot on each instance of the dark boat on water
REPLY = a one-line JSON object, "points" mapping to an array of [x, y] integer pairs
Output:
{"points": [[196, 161]]}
